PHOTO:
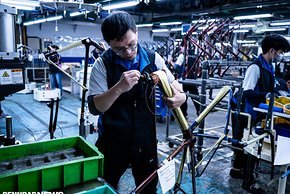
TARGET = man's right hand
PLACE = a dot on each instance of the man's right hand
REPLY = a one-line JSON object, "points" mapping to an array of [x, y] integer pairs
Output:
{"points": [[128, 80]]}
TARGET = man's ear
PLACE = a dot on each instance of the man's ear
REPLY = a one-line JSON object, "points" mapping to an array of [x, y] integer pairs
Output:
{"points": [[272, 50]]}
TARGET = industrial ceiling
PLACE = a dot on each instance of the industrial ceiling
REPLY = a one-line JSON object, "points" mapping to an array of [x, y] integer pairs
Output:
{"points": [[157, 11]]}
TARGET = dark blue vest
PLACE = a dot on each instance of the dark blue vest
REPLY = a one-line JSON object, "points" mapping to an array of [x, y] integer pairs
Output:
{"points": [[129, 121], [265, 82], [264, 85]]}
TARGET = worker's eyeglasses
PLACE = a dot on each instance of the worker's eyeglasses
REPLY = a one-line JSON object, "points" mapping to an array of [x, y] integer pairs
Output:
{"points": [[121, 51]]}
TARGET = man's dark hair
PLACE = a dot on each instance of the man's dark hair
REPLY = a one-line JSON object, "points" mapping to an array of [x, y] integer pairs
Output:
{"points": [[276, 42], [116, 25]]}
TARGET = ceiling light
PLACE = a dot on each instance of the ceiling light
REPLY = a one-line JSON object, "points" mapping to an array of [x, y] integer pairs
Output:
{"points": [[144, 25], [246, 41], [160, 30], [23, 2], [170, 23], [250, 45], [240, 31], [280, 24], [175, 29], [54, 18], [205, 28], [23, 5], [77, 13], [243, 26], [42, 20], [202, 21], [202, 27], [34, 22], [253, 16], [120, 5], [272, 29]]}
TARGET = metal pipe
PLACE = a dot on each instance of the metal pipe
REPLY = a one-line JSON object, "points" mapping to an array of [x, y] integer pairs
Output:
{"points": [[9, 127]]}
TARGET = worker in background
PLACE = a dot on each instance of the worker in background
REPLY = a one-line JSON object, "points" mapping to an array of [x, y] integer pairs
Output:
{"points": [[187, 74], [180, 71], [116, 93], [258, 82], [55, 73], [178, 65]]}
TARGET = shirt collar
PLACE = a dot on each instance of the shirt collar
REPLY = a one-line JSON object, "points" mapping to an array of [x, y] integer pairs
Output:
{"points": [[139, 63]]}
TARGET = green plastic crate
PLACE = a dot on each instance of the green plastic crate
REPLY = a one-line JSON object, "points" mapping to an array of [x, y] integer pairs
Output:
{"points": [[53, 176], [105, 189]]}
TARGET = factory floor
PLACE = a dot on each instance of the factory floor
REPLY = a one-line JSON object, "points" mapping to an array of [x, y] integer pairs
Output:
{"points": [[30, 121]]}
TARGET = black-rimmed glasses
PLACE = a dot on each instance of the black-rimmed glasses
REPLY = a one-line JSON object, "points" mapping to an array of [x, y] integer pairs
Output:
{"points": [[122, 51]]}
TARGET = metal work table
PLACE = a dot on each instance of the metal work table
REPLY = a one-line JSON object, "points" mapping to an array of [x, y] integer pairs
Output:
{"points": [[266, 151]]}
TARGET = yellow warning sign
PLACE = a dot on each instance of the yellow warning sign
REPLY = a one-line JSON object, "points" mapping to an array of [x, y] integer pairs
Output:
{"points": [[16, 70], [5, 74], [5, 77]]}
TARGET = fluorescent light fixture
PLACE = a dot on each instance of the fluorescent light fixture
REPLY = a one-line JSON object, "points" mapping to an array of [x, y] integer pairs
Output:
{"points": [[77, 13], [240, 31], [202, 27], [175, 29], [23, 5], [42, 20], [272, 29], [160, 30], [249, 45], [49, 19], [280, 24], [204, 13], [170, 23], [246, 41], [34, 22], [23, 2], [243, 26], [144, 25], [267, 15], [120, 5], [202, 21]]}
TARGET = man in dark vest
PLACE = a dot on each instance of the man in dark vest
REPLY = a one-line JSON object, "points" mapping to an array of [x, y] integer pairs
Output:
{"points": [[125, 104], [258, 82]]}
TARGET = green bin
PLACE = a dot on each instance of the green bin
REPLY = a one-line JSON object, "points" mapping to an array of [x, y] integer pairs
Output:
{"points": [[105, 189], [55, 170]]}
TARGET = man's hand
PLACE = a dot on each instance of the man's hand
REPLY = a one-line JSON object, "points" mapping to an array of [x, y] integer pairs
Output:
{"points": [[176, 100], [128, 80]]}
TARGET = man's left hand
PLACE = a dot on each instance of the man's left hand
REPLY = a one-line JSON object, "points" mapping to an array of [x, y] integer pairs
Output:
{"points": [[176, 100]]}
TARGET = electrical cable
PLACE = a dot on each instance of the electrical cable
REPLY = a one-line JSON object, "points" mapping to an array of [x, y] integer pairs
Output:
{"points": [[150, 96], [60, 130]]}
